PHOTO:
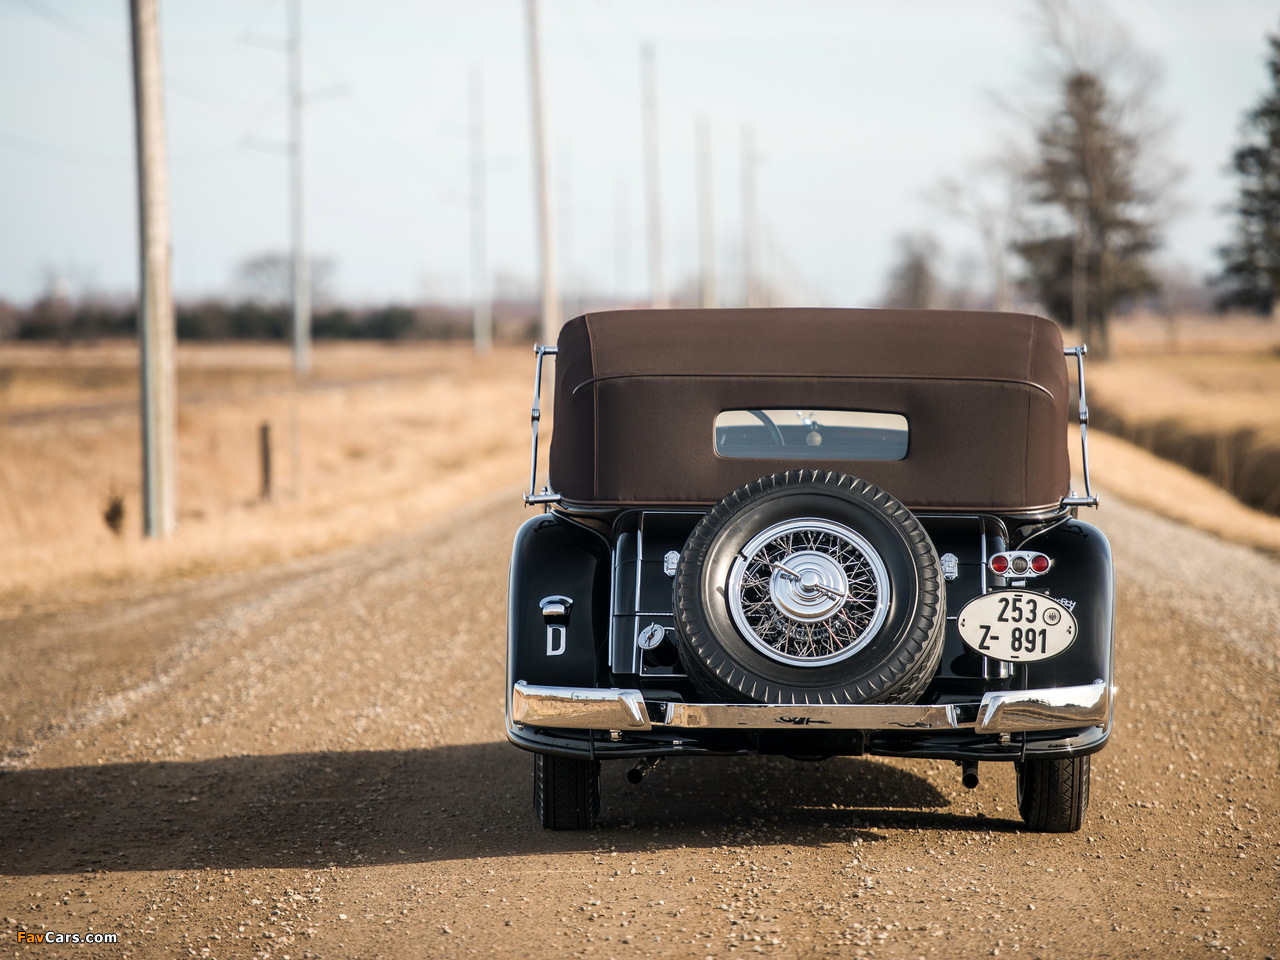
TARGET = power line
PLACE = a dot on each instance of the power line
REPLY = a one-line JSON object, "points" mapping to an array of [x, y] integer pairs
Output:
{"points": [[118, 57], [43, 151], [87, 38]]}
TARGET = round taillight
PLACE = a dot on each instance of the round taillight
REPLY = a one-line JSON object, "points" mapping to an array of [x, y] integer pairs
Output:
{"points": [[999, 564], [1020, 565], [1039, 563]]}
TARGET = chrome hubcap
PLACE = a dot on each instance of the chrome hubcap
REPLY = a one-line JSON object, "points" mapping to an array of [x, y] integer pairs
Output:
{"points": [[808, 592], [808, 585]]}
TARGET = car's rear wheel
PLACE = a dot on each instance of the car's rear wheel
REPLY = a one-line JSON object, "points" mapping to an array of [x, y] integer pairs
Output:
{"points": [[809, 588], [1053, 795], [566, 792]]}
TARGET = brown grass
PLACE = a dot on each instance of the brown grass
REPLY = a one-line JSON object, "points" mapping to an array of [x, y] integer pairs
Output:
{"points": [[1151, 335], [390, 437], [379, 438], [1124, 470], [1211, 405]]}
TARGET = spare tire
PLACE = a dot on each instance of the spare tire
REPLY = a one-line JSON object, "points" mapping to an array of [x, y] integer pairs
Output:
{"points": [[809, 587]]}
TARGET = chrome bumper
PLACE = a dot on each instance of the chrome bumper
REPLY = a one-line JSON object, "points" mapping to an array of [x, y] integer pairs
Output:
{"points": [[1009, 711]]}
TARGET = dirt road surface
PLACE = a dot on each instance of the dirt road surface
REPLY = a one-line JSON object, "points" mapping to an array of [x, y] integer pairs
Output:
{"points": [[309, 762]]}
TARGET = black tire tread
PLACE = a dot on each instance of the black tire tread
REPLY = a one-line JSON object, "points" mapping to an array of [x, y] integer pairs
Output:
{"points": [[902, 679], [1053, 795], [566, 792]]}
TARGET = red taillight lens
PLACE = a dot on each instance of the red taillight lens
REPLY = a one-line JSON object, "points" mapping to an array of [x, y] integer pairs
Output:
{"points": [[999, 564], [1039, 563]]}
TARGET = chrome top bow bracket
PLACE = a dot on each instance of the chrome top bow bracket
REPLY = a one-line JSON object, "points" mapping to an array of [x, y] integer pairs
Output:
{"points": [[1088, 500], [545, 497]]}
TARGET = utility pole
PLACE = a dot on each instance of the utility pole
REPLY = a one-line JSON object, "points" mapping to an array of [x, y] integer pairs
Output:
{"points": [[622, 245], [706, 215], [542, 175], [155, 298], [657, 282], [301, 277], [749, 227], [571, 298], [481, 304]]}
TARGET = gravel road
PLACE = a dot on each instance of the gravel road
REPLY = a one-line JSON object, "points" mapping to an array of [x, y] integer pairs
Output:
{"points": [[309, 762]]}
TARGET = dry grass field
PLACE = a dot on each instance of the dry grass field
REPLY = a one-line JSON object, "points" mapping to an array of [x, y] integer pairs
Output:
{"points": [[382, 438], [1202, 393], [378, 439]]}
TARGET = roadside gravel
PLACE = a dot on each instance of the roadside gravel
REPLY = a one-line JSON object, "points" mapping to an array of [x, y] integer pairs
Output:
{"points": [[312, 765]]}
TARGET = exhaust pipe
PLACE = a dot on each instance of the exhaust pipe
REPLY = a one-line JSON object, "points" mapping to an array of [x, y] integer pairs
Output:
{"points": [[642, 769], [969, 773]]}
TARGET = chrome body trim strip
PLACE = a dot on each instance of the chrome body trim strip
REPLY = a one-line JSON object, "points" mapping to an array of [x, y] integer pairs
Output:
{"points": [[1009, 711]]}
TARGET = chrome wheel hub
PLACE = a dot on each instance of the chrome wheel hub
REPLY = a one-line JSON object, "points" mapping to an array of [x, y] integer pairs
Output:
{"points": [[808, 592], [808, 585]]}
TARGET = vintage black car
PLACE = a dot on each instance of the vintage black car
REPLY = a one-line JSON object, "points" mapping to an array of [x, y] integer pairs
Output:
{"points": [[812, 533]]}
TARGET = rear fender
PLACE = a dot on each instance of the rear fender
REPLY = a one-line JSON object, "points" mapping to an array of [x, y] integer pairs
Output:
{"points": [[556, 565], [1083, 579]]}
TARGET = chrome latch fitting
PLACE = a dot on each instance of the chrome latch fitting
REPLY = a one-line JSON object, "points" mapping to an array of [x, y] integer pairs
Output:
{"points": [[556, 607]]}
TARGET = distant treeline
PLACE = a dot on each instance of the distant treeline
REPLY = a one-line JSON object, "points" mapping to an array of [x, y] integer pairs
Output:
{"points": [[62, 320]]}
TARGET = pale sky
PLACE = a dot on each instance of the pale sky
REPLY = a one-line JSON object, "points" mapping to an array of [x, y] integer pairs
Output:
{"points": [[857, 109]]}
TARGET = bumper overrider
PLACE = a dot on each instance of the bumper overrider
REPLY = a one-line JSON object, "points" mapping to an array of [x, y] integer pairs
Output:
{"points": [[1008, 711]]}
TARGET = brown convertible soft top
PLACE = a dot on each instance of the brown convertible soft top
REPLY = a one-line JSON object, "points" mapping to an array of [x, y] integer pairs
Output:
{"points": [[985, 396]]}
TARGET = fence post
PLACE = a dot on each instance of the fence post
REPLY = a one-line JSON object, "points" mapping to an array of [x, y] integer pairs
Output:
{"points": [[264, 448]]}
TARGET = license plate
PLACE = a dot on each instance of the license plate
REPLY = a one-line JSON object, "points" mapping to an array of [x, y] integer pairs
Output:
{"points": [[1016, 625]]}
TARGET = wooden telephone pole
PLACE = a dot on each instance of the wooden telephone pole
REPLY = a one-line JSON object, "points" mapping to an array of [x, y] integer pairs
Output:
{"points": [[542, 175], [750, 228], [297, 193], [649, 87], [706, 217], [155, 298], [481, 299]]}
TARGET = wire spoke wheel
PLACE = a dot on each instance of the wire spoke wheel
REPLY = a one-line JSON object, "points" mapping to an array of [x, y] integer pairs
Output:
{"points": [[809, 587], [809, 592]]}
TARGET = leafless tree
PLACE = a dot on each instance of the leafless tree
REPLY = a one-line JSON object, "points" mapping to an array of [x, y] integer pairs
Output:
{"points": [[1098, 183], [914, 280], [987, 197], [267, 279]]}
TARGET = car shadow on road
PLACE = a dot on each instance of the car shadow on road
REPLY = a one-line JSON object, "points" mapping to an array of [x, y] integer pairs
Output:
{"points": [[367, 808]]}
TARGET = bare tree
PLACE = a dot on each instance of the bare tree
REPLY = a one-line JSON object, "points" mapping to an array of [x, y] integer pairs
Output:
{"points": [[1098, 186], [914, 280], [988, 198], [267, 279]]}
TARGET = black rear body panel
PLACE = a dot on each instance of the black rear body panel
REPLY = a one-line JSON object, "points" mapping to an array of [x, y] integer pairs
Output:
{"points": [[612, 570]]}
